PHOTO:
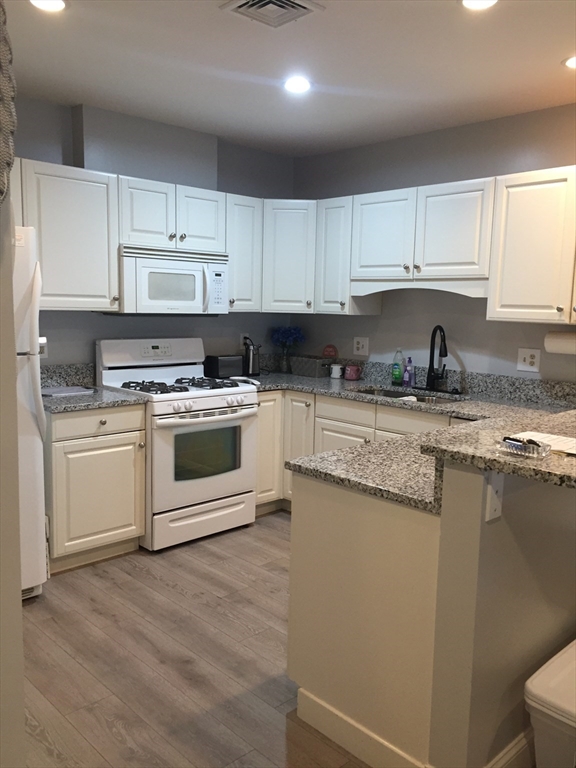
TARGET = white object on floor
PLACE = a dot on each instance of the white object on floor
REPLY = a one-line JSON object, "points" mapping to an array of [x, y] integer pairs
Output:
{"points": [[551, 700]]}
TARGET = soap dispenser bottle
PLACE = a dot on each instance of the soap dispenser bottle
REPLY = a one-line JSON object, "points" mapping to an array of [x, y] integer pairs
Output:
{"points": [[398, 368]]}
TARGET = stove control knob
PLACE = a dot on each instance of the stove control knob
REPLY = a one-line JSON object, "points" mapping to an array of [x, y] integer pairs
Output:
{"points": [[230, 401], [176, 407], [240, 399], [188, 405]]}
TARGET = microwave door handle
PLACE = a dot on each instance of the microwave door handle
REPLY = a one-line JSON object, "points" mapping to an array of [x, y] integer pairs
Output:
{"points": [[206, 286], [187, 422]]}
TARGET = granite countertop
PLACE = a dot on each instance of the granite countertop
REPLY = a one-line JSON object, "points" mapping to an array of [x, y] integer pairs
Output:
{"points": [[409, 469], [100, 397]]}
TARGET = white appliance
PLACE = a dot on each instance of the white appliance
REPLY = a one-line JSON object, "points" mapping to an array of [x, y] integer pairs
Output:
{"points": [[201, 437], [156, 281], [27, 284]]}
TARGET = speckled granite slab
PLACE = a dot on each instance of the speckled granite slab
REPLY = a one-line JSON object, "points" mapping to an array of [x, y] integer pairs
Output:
{"points": [[73, 375], [99, 398], [479, 447]]}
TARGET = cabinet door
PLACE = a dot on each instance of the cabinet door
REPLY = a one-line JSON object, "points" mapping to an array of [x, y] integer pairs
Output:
{"points": [[244, 243], [75, 213], [333, 253], [380, 436], [16, 192], [331, 435], [269, 482], [147, 212], [532, 260], [383, 231], [98, 492], [298, 431], [201, 220], [453, 229], [289, 255]]}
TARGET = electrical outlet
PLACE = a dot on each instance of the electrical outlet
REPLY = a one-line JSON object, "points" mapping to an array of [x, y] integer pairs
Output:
{"points": [[528, 360], [242, 340], [361, 346]]}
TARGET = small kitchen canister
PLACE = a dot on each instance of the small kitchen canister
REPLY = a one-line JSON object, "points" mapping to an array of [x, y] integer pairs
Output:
{"points": [[352, 372], [336, 371]]}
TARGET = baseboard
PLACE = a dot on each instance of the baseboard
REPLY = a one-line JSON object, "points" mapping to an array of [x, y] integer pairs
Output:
{"points": [[518, 754], [357, 739], [78, 559], [273, 506]]}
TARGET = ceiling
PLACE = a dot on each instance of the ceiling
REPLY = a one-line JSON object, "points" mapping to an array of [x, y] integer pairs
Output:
{"points": [[380, 68]]}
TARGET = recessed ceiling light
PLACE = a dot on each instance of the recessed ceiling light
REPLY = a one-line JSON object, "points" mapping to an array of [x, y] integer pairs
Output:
{"points": [[478, 5], [49, 5], [571, 62], [297, 84]]}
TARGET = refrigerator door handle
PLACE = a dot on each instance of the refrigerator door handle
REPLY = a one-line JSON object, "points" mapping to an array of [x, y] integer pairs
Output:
{"points": [[35, 349]]}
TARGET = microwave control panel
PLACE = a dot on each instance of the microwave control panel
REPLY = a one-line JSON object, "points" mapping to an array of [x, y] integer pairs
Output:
{"points": [[219, 289]]}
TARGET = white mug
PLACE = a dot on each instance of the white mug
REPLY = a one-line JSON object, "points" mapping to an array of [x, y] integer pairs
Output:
{"points": [[336, 371]]}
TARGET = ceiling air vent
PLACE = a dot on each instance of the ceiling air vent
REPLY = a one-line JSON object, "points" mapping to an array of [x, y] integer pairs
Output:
{"points": [[274, 13]]}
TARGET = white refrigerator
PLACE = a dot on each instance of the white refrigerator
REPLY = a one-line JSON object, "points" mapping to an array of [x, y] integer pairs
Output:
{"points": [[31, 416]]}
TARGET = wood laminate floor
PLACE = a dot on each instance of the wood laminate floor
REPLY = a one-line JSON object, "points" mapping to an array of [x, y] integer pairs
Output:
{"points": [[169, 659]]}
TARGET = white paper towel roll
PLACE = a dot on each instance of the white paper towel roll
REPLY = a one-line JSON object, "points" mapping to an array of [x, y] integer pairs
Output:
{"points": [[560, 343]]}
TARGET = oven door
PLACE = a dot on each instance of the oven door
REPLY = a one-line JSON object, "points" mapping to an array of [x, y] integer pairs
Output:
{"points": [[199, 457], [169, 285]]}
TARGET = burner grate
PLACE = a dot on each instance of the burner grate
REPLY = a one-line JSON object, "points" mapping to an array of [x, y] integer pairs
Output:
{"points": [[153, 387], [206, 383]]}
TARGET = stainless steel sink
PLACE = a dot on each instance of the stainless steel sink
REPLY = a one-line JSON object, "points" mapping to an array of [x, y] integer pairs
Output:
{"points": [[398, 393]]}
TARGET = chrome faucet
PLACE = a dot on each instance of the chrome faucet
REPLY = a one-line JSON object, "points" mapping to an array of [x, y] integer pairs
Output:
{"points": [[435, 375]]}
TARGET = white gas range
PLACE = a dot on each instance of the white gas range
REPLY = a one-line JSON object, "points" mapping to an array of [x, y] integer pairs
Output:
{"points": [[201, 437]]}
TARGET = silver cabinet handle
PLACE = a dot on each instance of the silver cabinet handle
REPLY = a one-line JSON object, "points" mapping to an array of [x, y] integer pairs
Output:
{"points": [[307, 404], [559, 309], [367, 440], [308, 303], [116, 298], [232, 302], [103, 421], [406, 267], [141, 445], [574, 308], [418, 268], [182, 237], [172, 236], [342, 304]]}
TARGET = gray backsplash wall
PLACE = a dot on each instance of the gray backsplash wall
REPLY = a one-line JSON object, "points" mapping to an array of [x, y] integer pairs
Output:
{"points": [[71, 335], [526, 142], [408, 316]]}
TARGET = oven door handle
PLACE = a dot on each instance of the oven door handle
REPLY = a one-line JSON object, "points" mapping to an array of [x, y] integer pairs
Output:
{"points": [[172, 423]]}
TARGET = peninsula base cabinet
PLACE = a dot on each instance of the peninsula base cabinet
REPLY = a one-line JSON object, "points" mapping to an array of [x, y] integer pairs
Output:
{"points": [[95, 474]]}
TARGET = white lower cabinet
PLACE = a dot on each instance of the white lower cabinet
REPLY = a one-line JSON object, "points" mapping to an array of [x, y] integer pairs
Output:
{"points": [[400, 421], [298, 431], [380, 435], [95, 484], [331, 435], [270, 447]]}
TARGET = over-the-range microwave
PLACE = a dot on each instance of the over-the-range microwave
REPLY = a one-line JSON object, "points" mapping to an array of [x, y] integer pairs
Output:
{"points": [[157, 281]]}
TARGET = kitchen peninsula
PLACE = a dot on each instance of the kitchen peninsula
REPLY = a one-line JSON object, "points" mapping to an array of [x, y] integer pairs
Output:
{"points": [[416, 619]]}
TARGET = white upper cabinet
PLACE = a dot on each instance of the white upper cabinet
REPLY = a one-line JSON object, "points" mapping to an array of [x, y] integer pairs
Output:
{"points": [[16, 192], [75, 213], [289, 256], [333, 250], [200, 219], [244, 243], [453, 229], [383, 232], [147, 212], [532, 260]]}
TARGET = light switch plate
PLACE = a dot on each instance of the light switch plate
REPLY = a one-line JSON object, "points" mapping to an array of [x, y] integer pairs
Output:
{"points": [[528, 360]]}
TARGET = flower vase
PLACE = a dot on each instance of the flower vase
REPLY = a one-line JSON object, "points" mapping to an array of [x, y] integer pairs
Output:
{"points": [[284, 361]]}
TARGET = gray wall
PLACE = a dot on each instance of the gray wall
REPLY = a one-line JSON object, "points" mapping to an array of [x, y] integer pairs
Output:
{"points": [[407, 319], [246, 171], [44, 131], [131, 146], [71, 335], [526, 142]]}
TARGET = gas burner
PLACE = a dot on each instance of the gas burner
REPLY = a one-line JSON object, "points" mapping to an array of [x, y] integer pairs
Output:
{"points": [[153, 387], [207, 383]]}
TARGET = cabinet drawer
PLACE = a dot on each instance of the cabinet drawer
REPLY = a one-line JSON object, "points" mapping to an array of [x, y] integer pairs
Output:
{"points": [[404, 421], [100, 421], [363, 414]]}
